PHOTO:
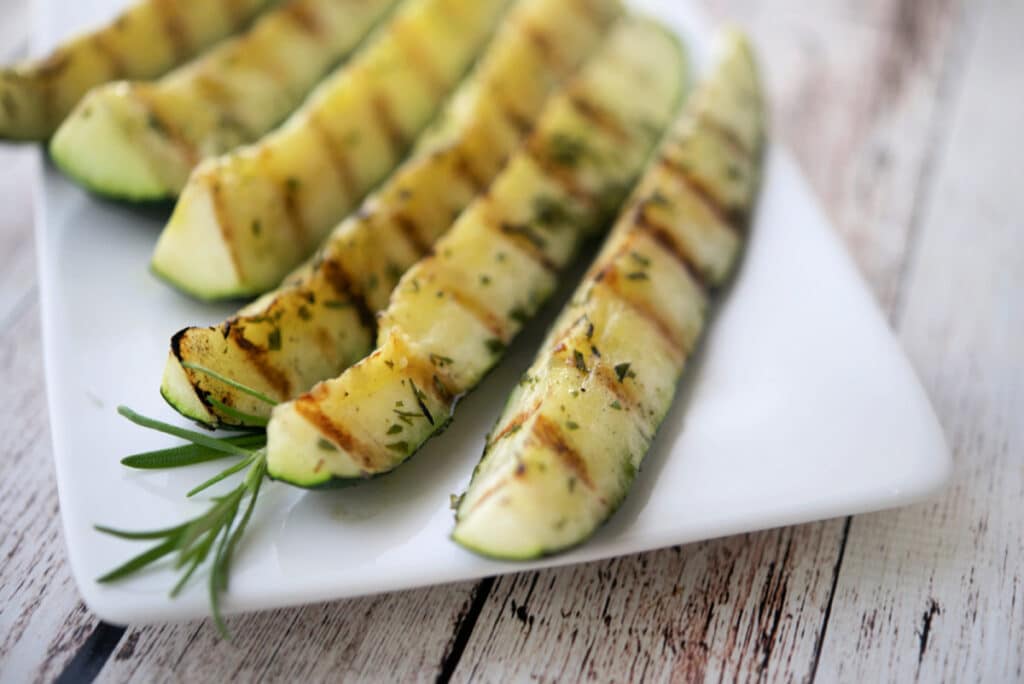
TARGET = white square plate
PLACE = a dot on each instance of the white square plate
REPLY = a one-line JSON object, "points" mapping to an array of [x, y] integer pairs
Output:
{"points": [[800, 407]]}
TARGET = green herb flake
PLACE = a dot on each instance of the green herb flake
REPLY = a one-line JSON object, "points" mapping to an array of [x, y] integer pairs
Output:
{"points": [[494, 345], [616, 405], [274, 340], [400, 447], [395, 429], [640, 259], [572, 425], [549, 212], [519, 315], [580, 361], [326, 445], [336, 304], [637, 275], [256, 227], [304, 313], [440, 361], [485, 279], [565, 149], [621, 370]]}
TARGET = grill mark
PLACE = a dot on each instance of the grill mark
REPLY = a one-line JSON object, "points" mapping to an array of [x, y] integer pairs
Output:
{"points": [[411, 231], [421, 371], [100, 44], [664, 237], [334, 273], [527, 247], [493, 322], [564, 177], [171, 131], [599, 117], [728, 136], [513, 425], [385, 118], [549, 434], [420, 60], [304, 18], [213, 91], [339, 160], [464, 169], [609, 276], [257, 358], [605, 375], [174, 28], [544, 45], [308, 407], [586, 10], [224, 225], [734, 217]]}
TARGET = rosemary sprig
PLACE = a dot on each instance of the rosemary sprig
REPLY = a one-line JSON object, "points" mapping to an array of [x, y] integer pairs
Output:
{"points": [[214, 535]]}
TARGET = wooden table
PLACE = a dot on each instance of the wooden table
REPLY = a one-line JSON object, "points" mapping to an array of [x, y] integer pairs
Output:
{"points": [[907, 116]]}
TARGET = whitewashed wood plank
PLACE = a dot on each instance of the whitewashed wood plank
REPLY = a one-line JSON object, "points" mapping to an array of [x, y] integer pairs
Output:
{"points": [[17, 254], [845, 97], [42, 621], [401, 637], [936, 592]]}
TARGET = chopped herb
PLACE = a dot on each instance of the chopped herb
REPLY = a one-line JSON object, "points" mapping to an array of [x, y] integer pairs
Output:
{"points": [[621, 370], [419, 400], [495, 346], [549, 212], [637, 275], [293, 184], [590, 330], [274, 340], [500, 256], [640, 259], [519, 315], [485, 279], [616, 405], [581, 362], [400, 447], [531, 235], [389, 363], [336, 304], [733, 171], [372, 282], [304, 313], [439, 360], [572, 483], [326, 445], [566, 150], [454, 500], [395, 429], [572, 425], [256, 227], [594, 350]]}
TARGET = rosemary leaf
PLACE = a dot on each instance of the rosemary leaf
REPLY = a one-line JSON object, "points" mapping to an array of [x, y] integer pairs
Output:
{"points": [[188, 454], [142, 560], [191, 435], [230, 383], [140, 536], [223, 475], [247, 419]]}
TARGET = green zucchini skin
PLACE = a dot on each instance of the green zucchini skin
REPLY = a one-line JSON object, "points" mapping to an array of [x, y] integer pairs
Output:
{"points": [[144, 41], [453, 313], [325, 322], [140, 140], [566, 450], [246, 219]]}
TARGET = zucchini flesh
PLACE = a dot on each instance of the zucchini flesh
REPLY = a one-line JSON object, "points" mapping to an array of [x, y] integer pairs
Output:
{"points": [[567, 447], [144, 41], [141, 140], [453, 313], [247, 218], [323, 315]]}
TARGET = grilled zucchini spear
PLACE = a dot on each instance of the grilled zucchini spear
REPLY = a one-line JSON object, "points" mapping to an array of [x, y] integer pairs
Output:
{"points": [[140, 140], [245, 219], [566, 449], [454, 312], [322, 320], [143, 42]]}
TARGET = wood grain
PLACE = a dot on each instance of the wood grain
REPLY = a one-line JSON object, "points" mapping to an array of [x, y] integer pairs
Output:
{"points": [[862, 121], [936, 592], [904, 115]]}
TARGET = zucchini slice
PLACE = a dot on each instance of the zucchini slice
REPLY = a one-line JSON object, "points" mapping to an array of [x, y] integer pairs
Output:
{"points": [[454, 312], [322, 320], [140, 141], [146, 40], [568, 445], [245, 219]]}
